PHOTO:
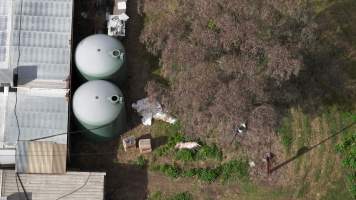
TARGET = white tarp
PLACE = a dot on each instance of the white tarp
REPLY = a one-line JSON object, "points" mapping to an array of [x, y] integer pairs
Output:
{"points": [[151, 109]]}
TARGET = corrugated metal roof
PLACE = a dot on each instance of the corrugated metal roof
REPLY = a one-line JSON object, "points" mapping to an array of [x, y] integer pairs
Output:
{"points": [[4, 19], [43, 43], [45, 27], [39, 114], [69, 186], [41, 157]]}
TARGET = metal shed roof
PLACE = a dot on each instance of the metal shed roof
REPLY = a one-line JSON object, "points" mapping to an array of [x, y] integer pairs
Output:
{"points": [[35, 40], [71, 185], [40, 113], [41, 157], [44, 42]]}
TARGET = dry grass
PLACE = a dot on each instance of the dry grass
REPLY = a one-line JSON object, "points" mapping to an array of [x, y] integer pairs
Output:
{"points": [[313, 174]]}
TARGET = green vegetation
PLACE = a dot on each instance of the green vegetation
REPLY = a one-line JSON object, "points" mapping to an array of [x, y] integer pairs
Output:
{"points": [[156, 196], [212, 25], [337, 191], [185, 155], [141, 162], [205, 152], [285, 132], [175, 136], [209, 152], [168, 170], [231, 170], [251, 191], [235, 169], [172, 141], [348, 150], [174, 133], [179, 196], [162, 128], [207, 174], [316, 172]]}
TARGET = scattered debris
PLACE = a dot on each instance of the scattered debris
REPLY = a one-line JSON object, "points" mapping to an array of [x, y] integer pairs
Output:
{"points": [[148, 110], [187, 145], [145, 145], [116, 25], [129, 143], [240, 130], [117, 22], [252, 164]]}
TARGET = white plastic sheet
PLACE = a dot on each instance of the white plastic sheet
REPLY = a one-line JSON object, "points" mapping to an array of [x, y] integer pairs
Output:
{"points": [[151, 110]]}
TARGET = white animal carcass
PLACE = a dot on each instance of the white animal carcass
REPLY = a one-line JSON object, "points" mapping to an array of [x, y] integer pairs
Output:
{"points": [[187, 145]]}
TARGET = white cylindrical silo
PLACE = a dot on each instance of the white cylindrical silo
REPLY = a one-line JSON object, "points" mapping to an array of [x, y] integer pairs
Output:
{"points": [[99, 107], [100, 56]]}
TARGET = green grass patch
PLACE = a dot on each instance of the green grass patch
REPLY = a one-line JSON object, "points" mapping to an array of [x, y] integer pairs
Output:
{"points": [[234, 170], [286, 133], [168, 170], [229, 171], [185, 155], [179, 196], [174, 133], [251, 191], [303, 189], [337, 191], [205, 152], [160, 128], [209, 152], [307, 130], [347, 148], [207, 174], [156, 196], [317, 174], [141, 162]]}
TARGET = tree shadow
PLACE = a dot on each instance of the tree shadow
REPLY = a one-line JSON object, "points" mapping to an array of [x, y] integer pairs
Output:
{"points": [[328, 76]]}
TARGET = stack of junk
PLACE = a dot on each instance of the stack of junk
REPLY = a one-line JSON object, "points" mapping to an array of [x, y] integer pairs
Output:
{"points": [[98, 104]]}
